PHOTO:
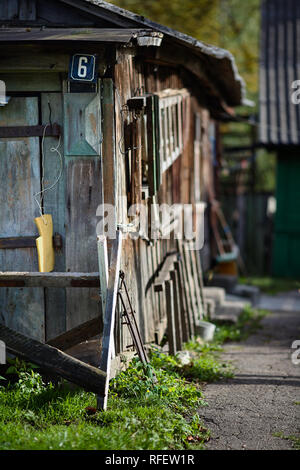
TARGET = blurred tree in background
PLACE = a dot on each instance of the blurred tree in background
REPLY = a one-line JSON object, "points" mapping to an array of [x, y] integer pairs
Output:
{"points": [[231, 24]]}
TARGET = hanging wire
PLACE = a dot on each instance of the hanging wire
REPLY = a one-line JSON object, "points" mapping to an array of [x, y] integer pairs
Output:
{"points": [[52, 186]]}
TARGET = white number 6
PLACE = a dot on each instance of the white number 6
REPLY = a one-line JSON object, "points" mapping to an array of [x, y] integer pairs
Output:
{"points": [[82, 69]]}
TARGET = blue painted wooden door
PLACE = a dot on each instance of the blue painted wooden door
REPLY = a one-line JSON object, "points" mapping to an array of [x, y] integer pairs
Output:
{"points": [[21, 308], [37, 312]]}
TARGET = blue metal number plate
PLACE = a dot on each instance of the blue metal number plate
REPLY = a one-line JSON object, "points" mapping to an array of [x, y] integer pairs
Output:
{"points": [[83, 68]]}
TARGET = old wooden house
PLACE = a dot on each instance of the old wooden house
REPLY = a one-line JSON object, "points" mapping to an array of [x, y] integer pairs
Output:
{"points": [[103, 107]]}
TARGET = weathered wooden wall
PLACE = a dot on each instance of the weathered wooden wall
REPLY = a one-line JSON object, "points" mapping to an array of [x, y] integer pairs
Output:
{"points": [[20, 180], [47, 312], [180, 183]]}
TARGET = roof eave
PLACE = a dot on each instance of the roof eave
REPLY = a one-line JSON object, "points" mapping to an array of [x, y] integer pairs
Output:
{"points": [[220, 62]]}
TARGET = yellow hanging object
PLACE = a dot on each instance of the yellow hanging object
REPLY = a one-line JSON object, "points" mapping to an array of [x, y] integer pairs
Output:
{"points": [[44, 243]]}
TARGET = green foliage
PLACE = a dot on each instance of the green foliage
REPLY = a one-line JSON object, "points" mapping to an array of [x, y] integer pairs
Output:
{"points": [[204, 367], [190, 17], [237, 135], [31, 383], [247, 324], [170, 388], [141, 414], [295, 439], [271, 285], [230, 24], [265, 179], [18, 365]]}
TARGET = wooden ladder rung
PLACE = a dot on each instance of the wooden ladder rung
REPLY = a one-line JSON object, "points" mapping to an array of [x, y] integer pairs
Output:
{"points": [[53, 279]]}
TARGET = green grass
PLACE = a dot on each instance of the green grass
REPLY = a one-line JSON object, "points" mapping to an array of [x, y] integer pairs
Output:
{"points": [[247, 323], [271, 285], [141, 414], [294, 439]]}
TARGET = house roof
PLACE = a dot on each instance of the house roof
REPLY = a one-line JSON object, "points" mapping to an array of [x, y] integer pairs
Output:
{"points": [[279, 67], [219, 63], [91, 35], [210, 71]]}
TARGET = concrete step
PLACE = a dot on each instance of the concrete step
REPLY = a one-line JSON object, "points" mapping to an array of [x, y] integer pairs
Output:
{"points": [[250, 292], [238, 299], [230, 309], [215, 293], [221, 280]]}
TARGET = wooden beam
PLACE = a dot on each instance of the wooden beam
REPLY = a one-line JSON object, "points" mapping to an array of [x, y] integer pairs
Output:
{"points": [[103, 275], [195, 280], [53, 279], [103, 268], [170, 315], [182, 302], [136, 162], [200, 278], [19, 61], [109, 317], [34, 58], [186, 295], [193, 63], [54, 360], [186, 276], [177, 316], [151, 142], [78, 334], [108, 145], [27, 242], [17, 242], [30, 131]]}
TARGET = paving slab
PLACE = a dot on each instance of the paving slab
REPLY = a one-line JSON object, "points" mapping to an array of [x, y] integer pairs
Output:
{"points": [[243, 413], [288, 302]]}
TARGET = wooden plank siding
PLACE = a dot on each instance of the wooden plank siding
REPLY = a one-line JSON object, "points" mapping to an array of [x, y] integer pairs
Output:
{"points": [[20, 180], [101, 166], [54, 204], [141, 260]]}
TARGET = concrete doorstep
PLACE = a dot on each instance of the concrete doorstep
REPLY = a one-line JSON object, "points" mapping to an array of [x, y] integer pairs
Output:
{"points": [[227, 307]]}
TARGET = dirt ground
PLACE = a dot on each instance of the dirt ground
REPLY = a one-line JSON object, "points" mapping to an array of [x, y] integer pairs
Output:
{"points": [[245, 412]]}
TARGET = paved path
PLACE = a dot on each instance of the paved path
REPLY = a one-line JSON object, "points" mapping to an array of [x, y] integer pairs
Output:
{"points": [[246, 411], [287, 302]]}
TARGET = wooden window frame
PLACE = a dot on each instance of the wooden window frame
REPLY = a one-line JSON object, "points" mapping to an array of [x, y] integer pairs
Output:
{"points": [[171, 120], [162, 128]]}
